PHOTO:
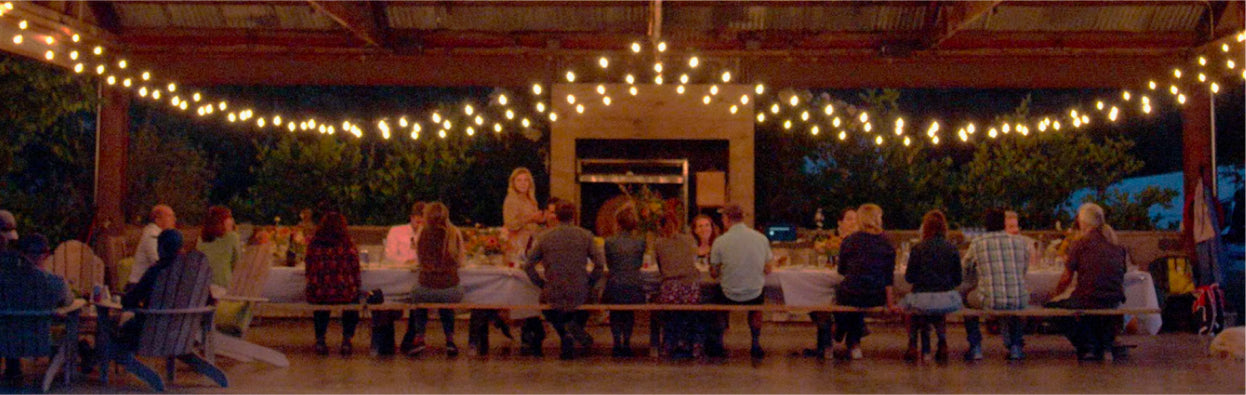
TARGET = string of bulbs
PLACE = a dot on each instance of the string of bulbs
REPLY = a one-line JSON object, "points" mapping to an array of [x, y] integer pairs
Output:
{"points": [[1205, 71]]}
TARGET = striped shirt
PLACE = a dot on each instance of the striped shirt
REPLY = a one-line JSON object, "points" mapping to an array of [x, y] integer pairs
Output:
{"points": [[999, 262]]}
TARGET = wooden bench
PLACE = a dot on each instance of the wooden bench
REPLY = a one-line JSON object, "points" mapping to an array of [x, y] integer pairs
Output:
{"points": [[1029, 312]]}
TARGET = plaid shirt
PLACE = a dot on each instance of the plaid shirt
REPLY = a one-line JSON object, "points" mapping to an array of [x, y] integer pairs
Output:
{"points": [[999, 262]]}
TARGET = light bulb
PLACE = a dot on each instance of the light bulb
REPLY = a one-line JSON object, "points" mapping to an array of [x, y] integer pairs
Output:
{"points": [[479, 120], [99, 69], [502, 99], [75, 38], [679, 89], [1111, 114], [195, 97], [878, 140], [743, 99], [726, 77], [1202, 61], [1151, 84], [828, 109], [292, 128], [172, 87], [868, 127], [540, 107], [49, 55], [787, 124], [842, 135], [705, 99], [570, 99], [471, 131], [142, 92], [662, 46], [112, 80], [804, 115], [468, 109], [98, 50], [497, 128], [971, 128], [934, 140], [146, 75], [835, 122], [657, 80], [155, 94], [657, 67], [73, 55], [1172, 89], [1202, 77], [992, 133], [635, 47], [630, 79], [127, 82], [525, 122], [606, 100], [441, 133], [122, 64], [511, 114], [1125, 95], [694, 62], [553, 117], [683, 78], [402, 122], [633, 91], [570, 76], [1099, 105], [761, 117], [221, 106], [436, 118], [601, 89], [1230, 64], [446, 124], [17, 39], [1176, 73], [1215, 88], [759, 89], [603, 62], [774, 108], [22, 25], [733, 109], [1181, 98], [536, 89], [865, 117], [793, 101]]}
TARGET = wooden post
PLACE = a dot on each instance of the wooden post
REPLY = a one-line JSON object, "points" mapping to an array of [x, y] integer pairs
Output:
{"points": [[1196, 157], [112, 139]]}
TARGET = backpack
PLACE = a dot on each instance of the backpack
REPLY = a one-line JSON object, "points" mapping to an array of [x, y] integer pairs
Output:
{"points": [[1209, 309]]}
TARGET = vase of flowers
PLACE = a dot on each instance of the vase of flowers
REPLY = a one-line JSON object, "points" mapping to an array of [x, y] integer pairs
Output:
{"points": [[485, 244]]}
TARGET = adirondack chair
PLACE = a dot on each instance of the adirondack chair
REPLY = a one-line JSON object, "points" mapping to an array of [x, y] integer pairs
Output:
{"points": [[177, 316], [27, 334], [237, 307], [78, 265]]}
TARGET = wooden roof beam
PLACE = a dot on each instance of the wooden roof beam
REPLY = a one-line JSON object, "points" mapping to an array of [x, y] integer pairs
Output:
{"points": [[106, 16], [959, 15], [360, 19]]}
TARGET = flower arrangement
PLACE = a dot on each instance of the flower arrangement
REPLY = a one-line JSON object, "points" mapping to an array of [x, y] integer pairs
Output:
{"points": [[827, 243], [290, 242], [484, 241], [650, 207]]}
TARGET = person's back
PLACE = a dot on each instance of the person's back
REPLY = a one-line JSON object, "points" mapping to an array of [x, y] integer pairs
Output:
{"points": [[563, 251], [625, 254], [223, 254], [867, 262], [742, 254], [934, 266], [1100, 268], [676, 256], [23, 286], [1000, 262]]}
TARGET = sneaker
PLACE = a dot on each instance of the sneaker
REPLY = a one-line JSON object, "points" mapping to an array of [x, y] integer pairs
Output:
{"points": [[974, 353], [910, 355], [856, 353], [452, 349], [321, 348], [415, 348], [1015, 353], [346, 348]]}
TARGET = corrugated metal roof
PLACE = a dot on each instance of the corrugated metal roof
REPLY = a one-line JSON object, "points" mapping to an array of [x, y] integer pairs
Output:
{"points": [[850, 17], [1128, 18], [291, 16], [623, 18]]}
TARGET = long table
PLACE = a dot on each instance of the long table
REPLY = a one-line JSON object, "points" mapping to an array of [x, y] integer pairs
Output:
{"points": [[792, 286]]}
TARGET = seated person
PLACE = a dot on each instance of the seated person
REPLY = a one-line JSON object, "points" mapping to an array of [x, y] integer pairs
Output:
{"points": [[1098, 261], [401, 239], [23, 286], [169, 243]]}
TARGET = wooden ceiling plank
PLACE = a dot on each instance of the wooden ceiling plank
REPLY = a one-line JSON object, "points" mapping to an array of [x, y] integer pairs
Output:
{"points": [[359, 19], [959, 15]]}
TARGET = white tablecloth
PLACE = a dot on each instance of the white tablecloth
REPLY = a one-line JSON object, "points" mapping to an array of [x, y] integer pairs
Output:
{"points": [[481, 284], [811, 287]]}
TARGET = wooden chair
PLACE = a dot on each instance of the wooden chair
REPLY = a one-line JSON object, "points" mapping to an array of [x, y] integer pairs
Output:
{"points": [[28, 334], [75, 262], [177, 317], [239, 306]]}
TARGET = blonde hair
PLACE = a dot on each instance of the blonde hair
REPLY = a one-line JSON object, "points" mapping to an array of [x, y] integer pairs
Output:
{"points": [[870, 218], [510, 187], [1094, 219]]}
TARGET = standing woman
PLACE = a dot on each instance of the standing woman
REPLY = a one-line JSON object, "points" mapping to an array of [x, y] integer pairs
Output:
{"points": [[867, 262], [440, 250], [520, 213], [333, 278], [935, 272], [220, 243], [625, 253]]}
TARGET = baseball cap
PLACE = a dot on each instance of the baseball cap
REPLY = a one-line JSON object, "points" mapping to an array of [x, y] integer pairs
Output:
{"points": [[8, 225], [732, 211]]}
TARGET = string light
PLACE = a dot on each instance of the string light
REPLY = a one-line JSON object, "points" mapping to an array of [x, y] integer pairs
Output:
{"points": [[657, 80], [842, 135], [536, 89], [1215, 88], [497, 128], [525, 122], [49, 55], [1176, 73], [868, 127], [759, 89], [635, 47], [1229, 63], [49, 40], [146, 76], [570, 76], [73, 55], [1111, 116], [22, 25], [662, 46], [1151, 84], [713, 89], [75, 38], [99, 69], [570, 99], [774, 108], [502, 100], [829, 109], [601, 89], [835, 122], [467, 109], [787, 124], [683, 78], [1181, 98], [479, 120], [17, 39], [579, 108], [511, 114], [603, 62], [693, 62], [813, 130], [1202, 61], [606, 100], [553, 117], [804, 115], [727, 76], [733, 109], [633, 90], [98, 50], [878, 140], [761, 117], [657, 67], [705, 99], [540, 107], [630, 79], [743, 99], [864, 117], [471, 131], [679, 89]]}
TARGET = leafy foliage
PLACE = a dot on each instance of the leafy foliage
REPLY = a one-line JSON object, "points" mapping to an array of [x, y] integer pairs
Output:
{"points": [[47, 148]]}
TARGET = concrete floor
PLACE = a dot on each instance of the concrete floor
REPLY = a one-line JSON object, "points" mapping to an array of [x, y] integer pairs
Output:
{"points": [[1169, 363]]}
